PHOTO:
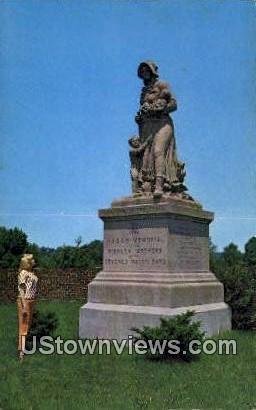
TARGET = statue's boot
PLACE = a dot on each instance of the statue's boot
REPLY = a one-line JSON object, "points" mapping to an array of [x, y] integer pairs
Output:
{"points": [[159, 187]]}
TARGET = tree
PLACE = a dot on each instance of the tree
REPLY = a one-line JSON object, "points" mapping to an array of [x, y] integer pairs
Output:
{"points": [[214, 257], [46, 258], [250, 252], [13, 243], [240, 288], [35, 250], [64, 257], [78, 241], [92, 254], [231, 255]]}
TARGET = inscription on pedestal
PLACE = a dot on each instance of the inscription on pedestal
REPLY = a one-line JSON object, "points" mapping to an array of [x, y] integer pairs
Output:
{"points": [[135, 250], [188, 254]]}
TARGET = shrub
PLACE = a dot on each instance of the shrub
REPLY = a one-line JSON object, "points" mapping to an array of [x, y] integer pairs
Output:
{"points": [[43, 324], [237, 272], [240, 294], [179, 328]]}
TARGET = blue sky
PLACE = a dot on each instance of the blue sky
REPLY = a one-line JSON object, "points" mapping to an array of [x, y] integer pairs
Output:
{"points": [[69, 92]]}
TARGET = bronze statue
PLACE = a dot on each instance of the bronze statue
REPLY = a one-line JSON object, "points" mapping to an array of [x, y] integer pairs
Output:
{"points": [[27, 287], [155, 168]]}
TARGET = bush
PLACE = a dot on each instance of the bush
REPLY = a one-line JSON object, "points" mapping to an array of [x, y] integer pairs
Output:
{"points": [[180, 328], [240, 294], [237, 272], [43, 324]]}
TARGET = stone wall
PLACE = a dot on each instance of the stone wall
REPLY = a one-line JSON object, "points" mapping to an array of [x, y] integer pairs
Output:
{"points": [[60, 284]]}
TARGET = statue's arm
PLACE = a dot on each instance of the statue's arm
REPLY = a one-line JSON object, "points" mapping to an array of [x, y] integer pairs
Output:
{"points": [[172, 105], [166, 95], [164, 102]]}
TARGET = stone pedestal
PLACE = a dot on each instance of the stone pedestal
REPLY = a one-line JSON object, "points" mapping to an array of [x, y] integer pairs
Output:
{"points": [[156, 263]]}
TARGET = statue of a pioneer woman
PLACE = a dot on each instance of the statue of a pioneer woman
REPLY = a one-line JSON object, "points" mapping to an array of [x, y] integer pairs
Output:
{"points": [[154, 164]]}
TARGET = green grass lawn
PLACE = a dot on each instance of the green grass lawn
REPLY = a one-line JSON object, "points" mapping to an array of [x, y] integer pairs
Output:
{"points": [[120, 382]]}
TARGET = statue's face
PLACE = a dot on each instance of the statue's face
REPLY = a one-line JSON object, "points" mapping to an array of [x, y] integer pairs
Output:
{"points": [[136, 143], [145, 72]]}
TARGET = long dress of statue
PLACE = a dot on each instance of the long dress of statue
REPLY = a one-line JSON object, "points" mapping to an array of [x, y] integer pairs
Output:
{"points": [[154, 164]]}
